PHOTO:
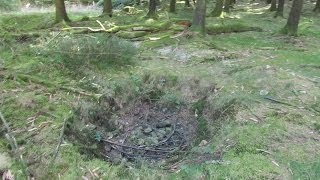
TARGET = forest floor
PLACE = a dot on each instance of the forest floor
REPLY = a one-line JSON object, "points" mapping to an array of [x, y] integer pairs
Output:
{"points": [[249, 101]]}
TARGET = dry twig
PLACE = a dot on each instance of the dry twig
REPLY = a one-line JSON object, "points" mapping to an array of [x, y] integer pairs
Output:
{"points": [[59, 143]]}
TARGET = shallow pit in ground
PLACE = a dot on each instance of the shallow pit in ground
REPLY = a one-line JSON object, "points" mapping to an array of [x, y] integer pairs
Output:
{"points": [[144, 130]]}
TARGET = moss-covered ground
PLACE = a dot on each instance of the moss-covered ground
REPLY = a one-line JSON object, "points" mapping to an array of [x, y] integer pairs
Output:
{"points": [[267, 92]]}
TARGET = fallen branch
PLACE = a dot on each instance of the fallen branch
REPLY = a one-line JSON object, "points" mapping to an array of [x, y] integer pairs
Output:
{"points": [[292, 105], [12, 140], [280, 102], [28, 78], [59, 143], [136, 147]]}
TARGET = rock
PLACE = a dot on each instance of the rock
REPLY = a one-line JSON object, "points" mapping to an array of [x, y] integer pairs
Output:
{"points": [[140, 141], [168, 130], [160, 136], [129, 9], [154, 140], [203, 143], [263, 92], [107, 147], [161, 131], [147, 130], [165, 123]]}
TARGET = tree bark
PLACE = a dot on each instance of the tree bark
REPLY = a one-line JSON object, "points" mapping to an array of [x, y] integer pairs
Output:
{"points": [[152, 8], [291, 28], [199, 16], [172, 6], [61, 13], [317, 8], [280, 8], [273, 6], [217, 9], [107, 8], [187, 3], [227, 4]]}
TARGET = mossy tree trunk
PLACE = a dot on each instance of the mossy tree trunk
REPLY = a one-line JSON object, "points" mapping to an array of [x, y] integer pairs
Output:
{"points": [[172, 8], [152, 9], [273, 6], [199, 16], [227, 4], [317, 8], [187, 3], [61, 13], [217, 9], [280, 8], [107, 8], [291, 27]]}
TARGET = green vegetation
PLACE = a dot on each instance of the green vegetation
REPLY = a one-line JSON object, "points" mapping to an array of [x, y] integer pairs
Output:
{"points": [[248, 94]]}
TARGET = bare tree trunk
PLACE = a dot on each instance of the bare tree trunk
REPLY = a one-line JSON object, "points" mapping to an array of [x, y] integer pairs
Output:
{"points": [[291, 27], [273, 6], [61, 13], [172, 6], [199, 16], [280, 8], [227, 4], [187, 3], [217, 9], [152, 9], [317, 8], [107, 8]]}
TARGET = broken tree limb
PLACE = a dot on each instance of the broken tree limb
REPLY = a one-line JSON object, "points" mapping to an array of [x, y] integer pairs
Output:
{"points": [[33, 79], [56, 152]]}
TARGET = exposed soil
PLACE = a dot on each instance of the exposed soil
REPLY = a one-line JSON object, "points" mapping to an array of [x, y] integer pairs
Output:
{"points": [[143, 130]]}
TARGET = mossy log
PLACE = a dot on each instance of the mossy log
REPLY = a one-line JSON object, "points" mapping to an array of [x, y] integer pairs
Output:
{"points": [[131, 34], [138, 28], [232, 28]]}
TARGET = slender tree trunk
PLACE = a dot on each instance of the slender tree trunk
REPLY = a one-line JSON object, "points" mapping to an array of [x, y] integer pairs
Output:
{"points": [[107, 8], [268, 1], [152, 9], [291, 27], [187, 3], [317, 8], [273, 6], [199, 16], [172, 6], [61, 13], [217, 9], [227, 4], [280, 8]]}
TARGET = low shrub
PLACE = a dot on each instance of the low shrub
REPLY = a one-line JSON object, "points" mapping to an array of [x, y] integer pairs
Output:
{"points": [[99, 50]]}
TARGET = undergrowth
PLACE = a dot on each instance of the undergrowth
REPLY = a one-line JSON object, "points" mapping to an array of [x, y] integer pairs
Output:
{"points": [[99, 50], [43, 76]]}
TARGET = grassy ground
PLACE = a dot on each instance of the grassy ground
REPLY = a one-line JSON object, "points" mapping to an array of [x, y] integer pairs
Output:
{"points": [[270, 81]]}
